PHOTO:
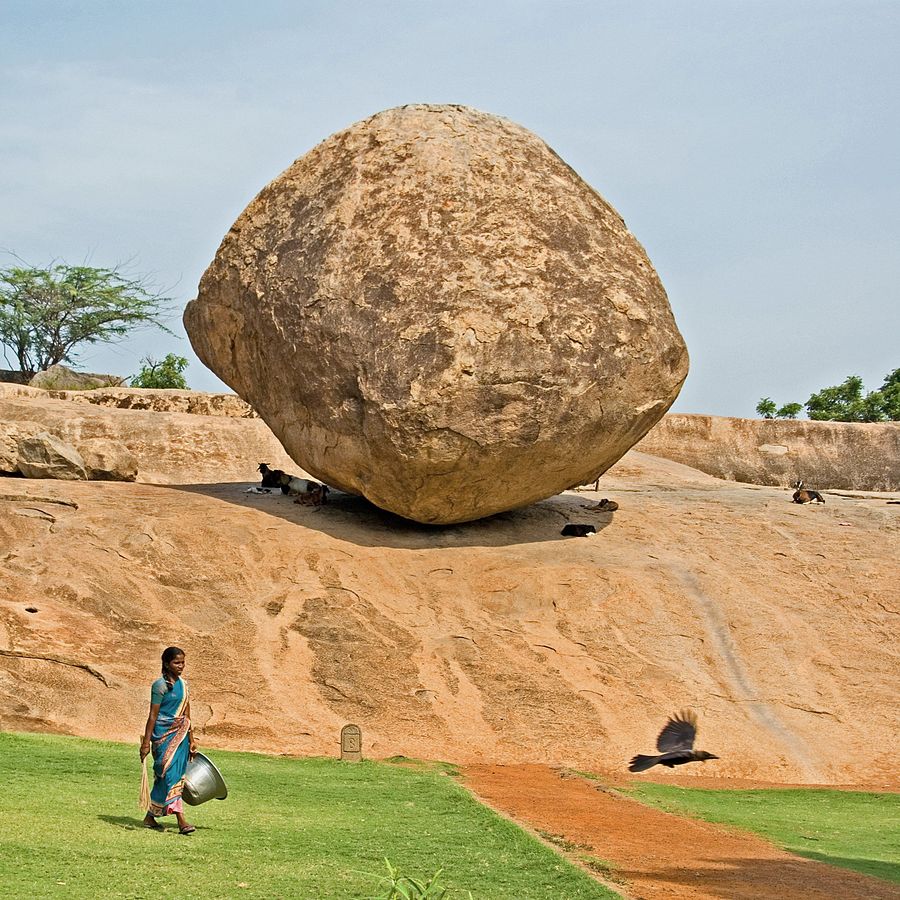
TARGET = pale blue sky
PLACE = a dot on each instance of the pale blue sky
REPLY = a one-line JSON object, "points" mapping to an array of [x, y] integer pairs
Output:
{"points": [[752, 147]]}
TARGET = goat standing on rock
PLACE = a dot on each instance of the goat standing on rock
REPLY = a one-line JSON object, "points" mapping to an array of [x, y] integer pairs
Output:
{"points": [[805, 495]]}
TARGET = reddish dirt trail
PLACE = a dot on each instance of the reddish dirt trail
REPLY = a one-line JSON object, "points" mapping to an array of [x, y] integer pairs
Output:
{"points": [[658, 854]]}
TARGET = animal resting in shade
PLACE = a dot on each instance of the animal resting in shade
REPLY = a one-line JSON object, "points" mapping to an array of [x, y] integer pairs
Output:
{"points": [[675, 743]]}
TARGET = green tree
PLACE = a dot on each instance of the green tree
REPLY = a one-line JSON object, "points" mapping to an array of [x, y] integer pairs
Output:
{"points": [[766, 408], [890, 391], [162, 373], [47, 314], [789, 411], [846, 402]]}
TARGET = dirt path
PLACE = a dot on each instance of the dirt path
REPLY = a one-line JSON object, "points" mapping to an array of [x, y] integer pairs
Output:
{"points": [[660, 855]]}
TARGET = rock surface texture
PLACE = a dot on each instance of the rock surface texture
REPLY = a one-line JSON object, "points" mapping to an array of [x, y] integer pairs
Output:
{"points": [[44, 455], [432, 310], [862, 456], [107, 460], [500, 641], [167, 447]]}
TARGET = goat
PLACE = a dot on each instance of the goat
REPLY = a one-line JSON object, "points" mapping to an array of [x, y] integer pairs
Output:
{"points": [[577, 529], [805, 495], [270, 477], [315, 494], [291, 484]]}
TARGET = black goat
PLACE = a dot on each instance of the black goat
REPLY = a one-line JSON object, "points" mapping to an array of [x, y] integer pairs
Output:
{"points": [[270, 477], [577, 529]]}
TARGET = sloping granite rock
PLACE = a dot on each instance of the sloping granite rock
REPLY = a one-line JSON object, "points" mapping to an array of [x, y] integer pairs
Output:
{"points": [[107, 460], [60, 377], [431, 309], [44, 455], [170, 447]]}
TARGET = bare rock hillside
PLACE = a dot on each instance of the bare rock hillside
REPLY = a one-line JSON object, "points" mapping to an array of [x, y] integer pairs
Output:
{"points": [[851, 456], [495, 641]]}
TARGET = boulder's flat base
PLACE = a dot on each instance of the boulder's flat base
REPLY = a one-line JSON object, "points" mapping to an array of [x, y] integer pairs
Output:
{"points": [[498, 641]]}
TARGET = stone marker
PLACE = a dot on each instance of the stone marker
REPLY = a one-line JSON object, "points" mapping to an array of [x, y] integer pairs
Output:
{"points": [[351, 743], [432, 310]]}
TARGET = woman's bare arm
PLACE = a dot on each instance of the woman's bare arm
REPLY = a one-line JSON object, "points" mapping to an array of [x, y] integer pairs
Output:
{"points": [[192, 744], [148, 729]]}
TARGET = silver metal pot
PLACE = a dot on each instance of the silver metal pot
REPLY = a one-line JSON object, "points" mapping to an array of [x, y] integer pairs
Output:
{"points": [[203, 781]]}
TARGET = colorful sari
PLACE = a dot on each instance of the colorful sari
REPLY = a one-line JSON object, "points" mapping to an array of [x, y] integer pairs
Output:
{"points": [[170, 745]]}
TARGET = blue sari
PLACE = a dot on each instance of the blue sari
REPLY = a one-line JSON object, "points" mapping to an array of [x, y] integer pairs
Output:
{"points": [[170, 745]]}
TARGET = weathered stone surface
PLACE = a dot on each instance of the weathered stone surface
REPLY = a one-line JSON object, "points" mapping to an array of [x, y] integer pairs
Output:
{"points": [[170, 447], [61, 378], [826, 455], [195, 403], [107, 460], [10, 435], [44, 455], [431, 309]]}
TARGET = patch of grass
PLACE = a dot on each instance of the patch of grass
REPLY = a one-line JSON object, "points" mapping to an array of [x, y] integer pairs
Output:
{"points": [[851, 829], [425, 765], [566, 772], [602, 867], [308, 829], [562, 842]]}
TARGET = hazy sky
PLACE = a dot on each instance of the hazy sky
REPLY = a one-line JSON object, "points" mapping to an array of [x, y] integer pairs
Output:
{"points": [[752, 147]]}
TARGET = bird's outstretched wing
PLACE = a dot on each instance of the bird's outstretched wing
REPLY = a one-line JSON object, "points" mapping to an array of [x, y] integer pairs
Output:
{"points": [[679, 733]]}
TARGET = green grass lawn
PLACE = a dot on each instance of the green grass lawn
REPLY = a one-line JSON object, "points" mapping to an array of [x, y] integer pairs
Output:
{"points": [[851, 829], [290, 828]]}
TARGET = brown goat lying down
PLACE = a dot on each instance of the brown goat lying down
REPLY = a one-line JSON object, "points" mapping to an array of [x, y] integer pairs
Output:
{"points": [[805, 495], [315, 495]]}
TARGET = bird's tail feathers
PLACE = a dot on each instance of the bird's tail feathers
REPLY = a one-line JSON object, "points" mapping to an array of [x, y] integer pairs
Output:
{"points": [[641, 763]]}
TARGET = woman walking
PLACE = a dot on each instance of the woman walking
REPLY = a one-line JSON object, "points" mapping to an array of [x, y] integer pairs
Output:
{"points": [[168, 733]]}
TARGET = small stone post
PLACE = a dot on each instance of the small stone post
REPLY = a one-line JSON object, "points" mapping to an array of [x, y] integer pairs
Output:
{"points": [[351, 743]]}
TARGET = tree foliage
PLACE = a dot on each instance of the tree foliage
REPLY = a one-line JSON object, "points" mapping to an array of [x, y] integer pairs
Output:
{"points": [[47, 314], [162, 373], [789, 411], [844, 402]]}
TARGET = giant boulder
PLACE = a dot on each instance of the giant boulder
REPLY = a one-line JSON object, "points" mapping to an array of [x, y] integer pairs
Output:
{"points": [[431, 309]]}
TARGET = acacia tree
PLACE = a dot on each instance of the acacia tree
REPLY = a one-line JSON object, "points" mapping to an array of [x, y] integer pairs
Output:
{"points": [[47, 314]]}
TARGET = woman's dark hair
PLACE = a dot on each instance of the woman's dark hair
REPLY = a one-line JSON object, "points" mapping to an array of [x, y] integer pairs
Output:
{"points": [[167, 656]]}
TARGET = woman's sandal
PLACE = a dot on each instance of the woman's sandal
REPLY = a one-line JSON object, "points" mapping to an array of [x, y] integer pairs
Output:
{"points": [[188, 829], [155, 826]]}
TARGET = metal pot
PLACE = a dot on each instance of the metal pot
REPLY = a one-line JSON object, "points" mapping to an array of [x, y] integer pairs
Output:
{"points": [[203, 781]]}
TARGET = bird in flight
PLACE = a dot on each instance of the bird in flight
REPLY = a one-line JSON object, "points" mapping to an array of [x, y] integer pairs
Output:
{"points": [[675, 744]]}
